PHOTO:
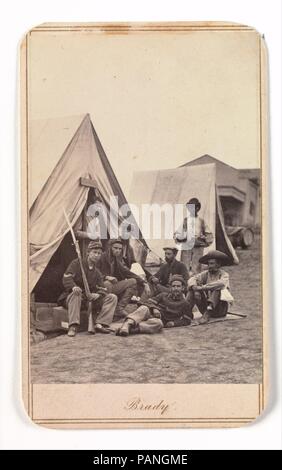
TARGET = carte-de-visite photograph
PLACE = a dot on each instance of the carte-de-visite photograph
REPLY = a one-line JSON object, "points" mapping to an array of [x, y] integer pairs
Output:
{"points": [[143, 148]]}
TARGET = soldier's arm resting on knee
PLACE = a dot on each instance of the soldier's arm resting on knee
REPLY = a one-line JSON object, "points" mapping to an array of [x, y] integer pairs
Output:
{"points": [[221, 283]]}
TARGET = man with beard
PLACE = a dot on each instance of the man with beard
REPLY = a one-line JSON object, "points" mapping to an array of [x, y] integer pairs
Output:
{"points": [[210, 289], [174, 309], [167, 309], [160, 282], [118, 279], [74, 297]]}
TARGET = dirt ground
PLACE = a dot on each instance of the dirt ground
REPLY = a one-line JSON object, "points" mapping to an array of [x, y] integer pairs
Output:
{"points": [[223, 352]]}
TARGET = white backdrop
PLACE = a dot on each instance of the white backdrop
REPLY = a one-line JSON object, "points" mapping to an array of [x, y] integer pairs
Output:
{"points": [[16, 430]]}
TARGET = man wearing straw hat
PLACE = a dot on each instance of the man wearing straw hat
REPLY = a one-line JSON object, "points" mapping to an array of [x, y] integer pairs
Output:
{"points": [[210, 289]]}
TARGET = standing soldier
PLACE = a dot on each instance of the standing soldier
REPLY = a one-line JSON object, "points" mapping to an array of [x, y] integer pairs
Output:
{"points": [[192, 249]]}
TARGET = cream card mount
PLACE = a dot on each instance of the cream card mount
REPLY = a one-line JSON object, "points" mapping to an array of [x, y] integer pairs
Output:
{"points": [[116, 117]]}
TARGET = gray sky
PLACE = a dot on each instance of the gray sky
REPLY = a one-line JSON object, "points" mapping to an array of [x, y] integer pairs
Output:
{"points": [[156, 100]]}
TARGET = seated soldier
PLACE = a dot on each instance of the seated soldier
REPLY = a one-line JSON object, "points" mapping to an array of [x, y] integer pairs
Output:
{"points": [[74, 297], [173, 307], [209, 290], [117, 277], [160, 282]]}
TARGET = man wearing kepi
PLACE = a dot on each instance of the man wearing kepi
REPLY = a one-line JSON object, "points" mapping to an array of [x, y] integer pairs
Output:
{"points": [[74, 297], [160, 282], [210, 289], [118, 278], [167, 309]]}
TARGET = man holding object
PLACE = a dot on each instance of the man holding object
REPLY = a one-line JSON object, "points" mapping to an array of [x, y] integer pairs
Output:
{"points": [[74, 297]]}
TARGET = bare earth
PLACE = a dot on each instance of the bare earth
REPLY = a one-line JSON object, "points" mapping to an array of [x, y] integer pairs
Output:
{"points": [[225, 352]]}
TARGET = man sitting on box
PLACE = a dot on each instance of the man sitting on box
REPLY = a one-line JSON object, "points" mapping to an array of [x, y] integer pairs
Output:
{"points": [[74, 298]]}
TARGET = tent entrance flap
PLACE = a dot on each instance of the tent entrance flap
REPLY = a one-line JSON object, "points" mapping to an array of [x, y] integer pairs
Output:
{"points": [[49, 286], [222, 241]]}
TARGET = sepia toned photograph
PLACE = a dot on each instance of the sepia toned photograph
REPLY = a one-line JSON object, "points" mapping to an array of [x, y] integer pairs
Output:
{"points": [[143, 206]]}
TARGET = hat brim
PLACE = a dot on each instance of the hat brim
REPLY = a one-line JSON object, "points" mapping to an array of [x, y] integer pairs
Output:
{"points": [[221, 257], [97, 246]]}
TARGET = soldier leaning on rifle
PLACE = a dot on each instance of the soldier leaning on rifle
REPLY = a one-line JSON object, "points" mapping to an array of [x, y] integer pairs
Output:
{"points": [[74, 298]]}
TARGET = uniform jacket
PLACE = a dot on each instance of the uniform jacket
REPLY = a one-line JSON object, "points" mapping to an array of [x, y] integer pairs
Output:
{"points": [[73, 277], [168, 269], [111, 266], [178, 311]]}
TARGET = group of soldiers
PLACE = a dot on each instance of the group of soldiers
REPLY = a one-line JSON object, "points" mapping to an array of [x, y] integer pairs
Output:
{"points": [[146, 304]]}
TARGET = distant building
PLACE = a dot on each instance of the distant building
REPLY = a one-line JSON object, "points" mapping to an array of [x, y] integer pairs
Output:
{"points": [[238, 189]]}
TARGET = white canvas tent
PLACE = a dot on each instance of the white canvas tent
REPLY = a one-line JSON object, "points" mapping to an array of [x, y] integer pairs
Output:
{"points": [[61, 152], [177, 186]]}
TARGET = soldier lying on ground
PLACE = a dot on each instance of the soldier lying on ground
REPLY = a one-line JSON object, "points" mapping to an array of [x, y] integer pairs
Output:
{"points": [[167, 309]]}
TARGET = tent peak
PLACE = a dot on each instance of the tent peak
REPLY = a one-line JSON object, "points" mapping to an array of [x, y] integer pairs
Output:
{"points": [[203, 159]]}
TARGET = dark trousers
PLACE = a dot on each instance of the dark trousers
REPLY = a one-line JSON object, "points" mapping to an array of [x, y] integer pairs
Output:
{"points": [[204, 298]]}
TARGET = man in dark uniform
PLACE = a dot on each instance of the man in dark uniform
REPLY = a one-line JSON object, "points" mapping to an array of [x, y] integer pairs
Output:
{"points": [[167, 309], [160, 282], [172, 305], [74, 297], [117, 277]]}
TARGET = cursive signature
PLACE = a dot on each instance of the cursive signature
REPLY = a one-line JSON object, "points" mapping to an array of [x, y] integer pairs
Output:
{"points": [[138, 404]]}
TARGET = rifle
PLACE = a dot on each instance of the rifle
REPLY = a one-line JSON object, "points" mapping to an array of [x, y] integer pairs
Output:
{"points": [[84, 278], [242, 315]]}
